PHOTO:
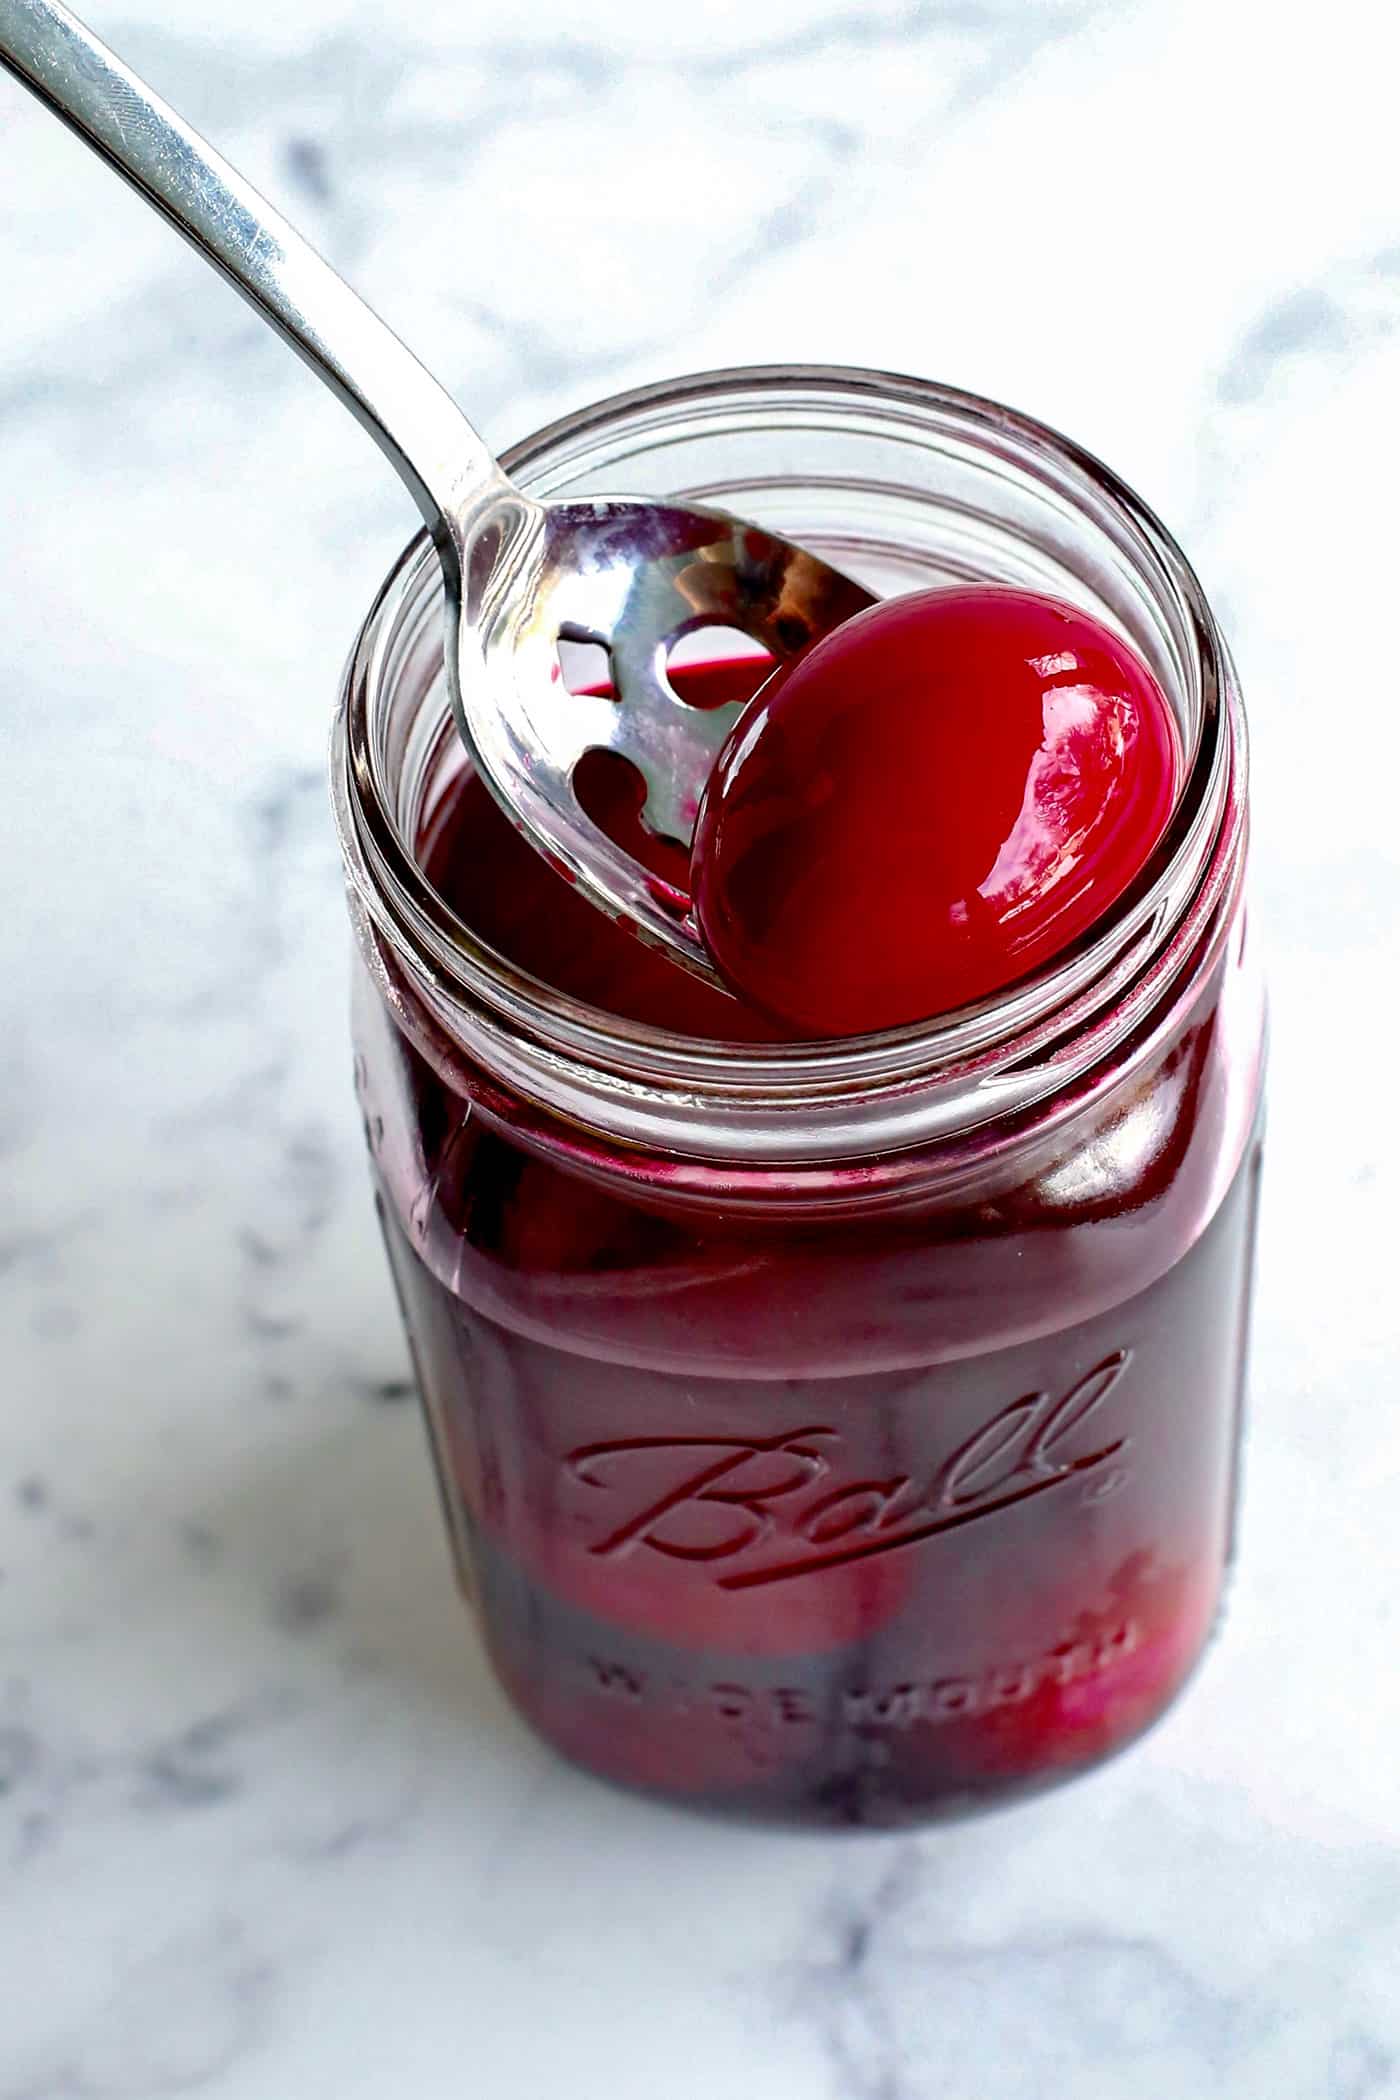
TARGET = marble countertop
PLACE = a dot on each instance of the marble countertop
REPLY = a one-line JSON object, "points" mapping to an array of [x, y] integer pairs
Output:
{"points": [[266, 1827]]}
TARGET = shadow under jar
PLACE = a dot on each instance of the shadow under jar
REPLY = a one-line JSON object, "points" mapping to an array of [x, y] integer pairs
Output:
{"points": [[845, 1432]]}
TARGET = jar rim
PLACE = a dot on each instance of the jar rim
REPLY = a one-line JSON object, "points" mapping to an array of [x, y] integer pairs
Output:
{"points": [[633, 1081]]}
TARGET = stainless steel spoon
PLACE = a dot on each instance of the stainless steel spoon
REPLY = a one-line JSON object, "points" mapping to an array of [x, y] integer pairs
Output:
{"points": [[519, 574]]}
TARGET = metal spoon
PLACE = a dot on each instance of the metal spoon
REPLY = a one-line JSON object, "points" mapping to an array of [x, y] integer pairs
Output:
{"points": [[519, 574]]}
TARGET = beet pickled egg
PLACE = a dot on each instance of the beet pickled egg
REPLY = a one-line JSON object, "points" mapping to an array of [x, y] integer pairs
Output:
{"points": [[929, 804]]}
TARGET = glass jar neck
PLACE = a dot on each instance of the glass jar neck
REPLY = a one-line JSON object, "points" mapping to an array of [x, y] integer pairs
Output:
{"points": [[902, 483]]}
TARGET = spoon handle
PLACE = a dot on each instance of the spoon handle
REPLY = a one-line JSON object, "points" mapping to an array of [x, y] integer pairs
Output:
{"points": [[413, 420]]}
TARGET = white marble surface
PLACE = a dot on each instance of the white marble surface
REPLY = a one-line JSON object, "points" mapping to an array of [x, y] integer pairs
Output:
{"points": [[266, 1828]]}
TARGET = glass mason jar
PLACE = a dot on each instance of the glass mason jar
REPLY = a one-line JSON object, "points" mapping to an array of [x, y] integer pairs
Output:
{"points": [[842, 1432]]}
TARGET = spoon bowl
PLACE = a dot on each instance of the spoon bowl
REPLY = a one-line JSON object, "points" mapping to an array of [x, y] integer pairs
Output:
{"points": [[630, 578]]}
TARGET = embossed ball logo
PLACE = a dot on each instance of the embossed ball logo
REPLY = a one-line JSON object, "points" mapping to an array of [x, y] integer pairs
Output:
{"points": [[758, 1510]]}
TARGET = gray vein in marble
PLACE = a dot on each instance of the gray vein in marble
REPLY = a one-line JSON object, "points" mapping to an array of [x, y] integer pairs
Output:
{"points": [[16, 1082], [1313, 328], [1063, 1979], [47, 1791], [388, 1392], [200, 1542], [221, 1990], [151, 333], [1359, 2068], [1014, 39], [308, 1600], [241, 1104], [895, 1970], [159, 327], [37, 1251], [836, 1987], [34, 1495], [1015, 51], [1303, 322], [353, 82], [1333, 318], [18, 1754], [297, 1208], [308, 167], [854, 30], [789, 222]]}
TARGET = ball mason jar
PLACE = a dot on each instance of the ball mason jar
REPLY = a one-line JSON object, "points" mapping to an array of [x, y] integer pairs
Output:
{"points": [[838, 1432]]}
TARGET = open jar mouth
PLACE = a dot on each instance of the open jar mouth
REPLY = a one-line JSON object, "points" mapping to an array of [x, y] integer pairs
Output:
{"points": [[902, 482]]}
